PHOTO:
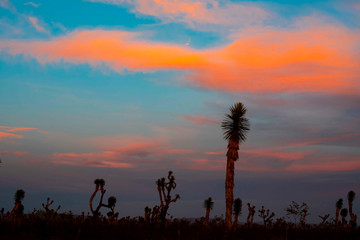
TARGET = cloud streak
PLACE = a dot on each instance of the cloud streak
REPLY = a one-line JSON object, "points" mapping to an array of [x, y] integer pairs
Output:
{"points": [[35, 23], [316, 59], [196, 14]]}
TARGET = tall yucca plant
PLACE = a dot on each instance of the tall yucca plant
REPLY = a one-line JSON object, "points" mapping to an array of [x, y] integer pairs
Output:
{"points": [[235, 127], [351, 198]]}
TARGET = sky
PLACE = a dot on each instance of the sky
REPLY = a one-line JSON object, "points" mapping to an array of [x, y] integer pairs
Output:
{"points": [[127, 90]]}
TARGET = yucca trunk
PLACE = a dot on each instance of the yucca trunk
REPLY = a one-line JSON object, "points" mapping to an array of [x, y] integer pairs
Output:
{"points": [[344, 221], [229, 190], [161, 201], [352, 216], [207, 216], [236, 221], [337, 216], [92, 198]]}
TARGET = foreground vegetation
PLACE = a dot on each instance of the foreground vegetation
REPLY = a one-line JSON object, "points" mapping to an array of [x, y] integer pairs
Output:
{"points": [[42, 225]]}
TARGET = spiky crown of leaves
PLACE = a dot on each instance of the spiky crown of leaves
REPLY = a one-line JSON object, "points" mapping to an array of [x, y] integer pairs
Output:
{"points": [[111, 201], [208, 203], [351, 195], [235, 124], [339, 203], [237, 206], [19, 195], [99, 182]]}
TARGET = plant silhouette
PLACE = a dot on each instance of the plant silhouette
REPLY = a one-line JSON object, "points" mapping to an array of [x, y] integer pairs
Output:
{"points": [[235, 127], [339, 205], [164, 189], [208, 205], [99, 185], [18, 209], [237, 210], [351, 198]]}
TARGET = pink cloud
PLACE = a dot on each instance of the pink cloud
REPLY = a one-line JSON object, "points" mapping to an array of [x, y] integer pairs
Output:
{"points": [[9, 135], [197, 13], [200, 120], [13, 153], [318, 58], [16, 129], [317, 141], [35, 23], [122, 152]]}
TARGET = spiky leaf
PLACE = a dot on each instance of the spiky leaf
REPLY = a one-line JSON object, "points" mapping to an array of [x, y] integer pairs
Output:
{"points": [[351, 196], [208, 203], [111, 201], [344, 212], [339, 203], [19, 195], [237, 206]]}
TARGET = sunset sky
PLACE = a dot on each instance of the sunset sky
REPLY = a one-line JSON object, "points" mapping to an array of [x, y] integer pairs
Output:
{"points": [[127, 90]]}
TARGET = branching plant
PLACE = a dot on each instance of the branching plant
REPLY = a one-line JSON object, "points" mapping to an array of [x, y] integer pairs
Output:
{"points": [[99, 185], [324, 219], [296, 210], [250, 217], [164, 188], [48, 204], [265, 215]]}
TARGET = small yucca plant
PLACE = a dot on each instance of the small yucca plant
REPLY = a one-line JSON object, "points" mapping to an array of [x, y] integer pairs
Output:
{"points": [[208, 205]]}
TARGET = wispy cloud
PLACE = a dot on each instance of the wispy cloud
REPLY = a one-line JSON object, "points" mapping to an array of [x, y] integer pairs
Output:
{"points": [[200, 120], [13, 153], [130, 152], [32, 4], [196, 14], [11, 132], [7, 5], [35, 23], [319, 58]]}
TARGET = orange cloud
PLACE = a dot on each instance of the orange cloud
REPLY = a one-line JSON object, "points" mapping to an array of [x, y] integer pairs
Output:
{"points": [[9, 135], [316, 59]]}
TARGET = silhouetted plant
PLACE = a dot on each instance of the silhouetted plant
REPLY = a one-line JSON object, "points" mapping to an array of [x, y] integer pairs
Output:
{"points": [[48, 204], [237, 210], [265, 215], [344, 213], [164, 188], [296, 210], [2, 212], [235, 127], [324, 219], [18, 209], [351, 197], [147, 214], [250, 217], [99, 185], [208, 205], [339, 205]]}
